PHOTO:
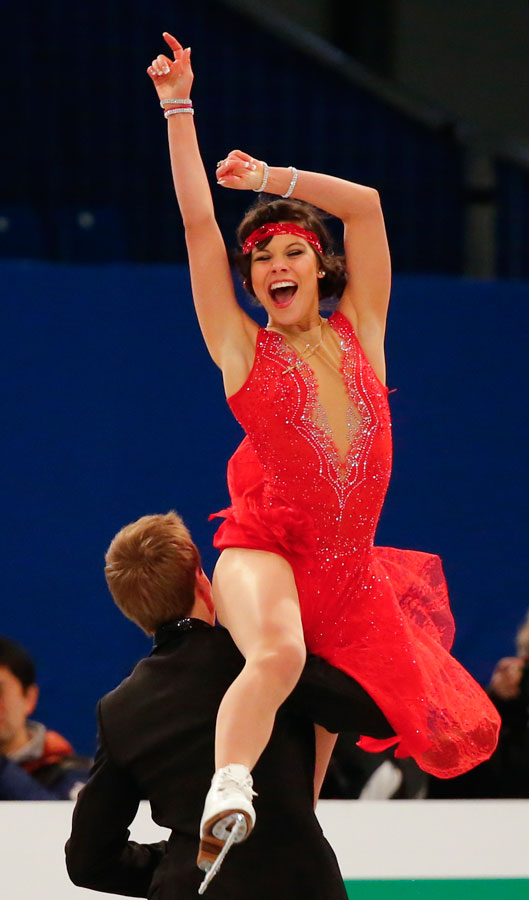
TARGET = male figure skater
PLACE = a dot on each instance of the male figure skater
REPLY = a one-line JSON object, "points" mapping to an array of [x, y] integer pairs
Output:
{"points": [[157, 742]]}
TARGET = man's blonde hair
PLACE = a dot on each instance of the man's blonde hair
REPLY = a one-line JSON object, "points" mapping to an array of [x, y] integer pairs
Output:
{"points": [[151, 570]]}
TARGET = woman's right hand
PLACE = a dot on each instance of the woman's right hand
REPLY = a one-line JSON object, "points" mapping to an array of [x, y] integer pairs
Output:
{"points": [[240, 171], [172, 78]]}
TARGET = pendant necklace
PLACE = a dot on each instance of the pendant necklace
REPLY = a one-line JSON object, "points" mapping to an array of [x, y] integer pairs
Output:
{"points": [[307, 351]]}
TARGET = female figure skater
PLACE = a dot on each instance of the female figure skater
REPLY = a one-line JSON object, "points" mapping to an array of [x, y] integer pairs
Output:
{"points": [[298, 567]]}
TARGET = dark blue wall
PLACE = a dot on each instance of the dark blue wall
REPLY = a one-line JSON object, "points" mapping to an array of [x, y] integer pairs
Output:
{"points": [[512, 220], [100, 146], [112, 409], [102, 143]]}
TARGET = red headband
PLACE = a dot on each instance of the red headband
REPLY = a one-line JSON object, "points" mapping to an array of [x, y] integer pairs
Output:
{"points": [[271, 228]]}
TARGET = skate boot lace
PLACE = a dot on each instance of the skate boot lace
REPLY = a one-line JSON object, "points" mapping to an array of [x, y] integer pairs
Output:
{"points": [[228, 780]]}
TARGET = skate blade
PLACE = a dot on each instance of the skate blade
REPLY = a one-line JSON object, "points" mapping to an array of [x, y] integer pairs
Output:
{"points": [[212, 851]]}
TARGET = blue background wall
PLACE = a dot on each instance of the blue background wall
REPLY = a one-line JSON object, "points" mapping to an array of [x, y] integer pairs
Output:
{"points": [[112, 409], [102, 145]]}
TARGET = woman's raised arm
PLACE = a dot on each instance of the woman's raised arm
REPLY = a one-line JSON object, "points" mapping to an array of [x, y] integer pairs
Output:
{"points": [[225, 327], [366, 297]]}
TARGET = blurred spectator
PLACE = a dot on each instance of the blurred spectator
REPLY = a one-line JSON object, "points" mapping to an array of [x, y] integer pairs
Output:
{"points": [[35, 764]]}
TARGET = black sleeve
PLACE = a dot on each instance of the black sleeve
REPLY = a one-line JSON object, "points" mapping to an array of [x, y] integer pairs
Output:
{"points": [[331, 698], [99, 854]]}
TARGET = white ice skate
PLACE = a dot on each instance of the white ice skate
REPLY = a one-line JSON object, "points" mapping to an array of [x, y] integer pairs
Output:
{"points": [[228, 818]]}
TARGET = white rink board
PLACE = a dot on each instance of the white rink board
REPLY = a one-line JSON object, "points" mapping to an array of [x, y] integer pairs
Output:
{"points": [[373, 839], [378, 839]]}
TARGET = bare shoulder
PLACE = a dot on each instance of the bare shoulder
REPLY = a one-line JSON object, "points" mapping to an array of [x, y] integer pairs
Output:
{"points": [[238, 356]]}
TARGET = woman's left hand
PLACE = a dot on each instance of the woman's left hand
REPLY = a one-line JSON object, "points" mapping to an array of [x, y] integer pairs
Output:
{"points": [[240, 171], [172, 78]]}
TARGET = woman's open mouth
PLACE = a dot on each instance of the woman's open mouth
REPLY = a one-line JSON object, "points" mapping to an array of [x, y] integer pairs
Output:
{"points": [[282, 293]]}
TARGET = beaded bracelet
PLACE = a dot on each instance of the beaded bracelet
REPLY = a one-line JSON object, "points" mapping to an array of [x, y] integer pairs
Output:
{"points": [[179, 109], [264, 182], [185, 102], [293, 181]]}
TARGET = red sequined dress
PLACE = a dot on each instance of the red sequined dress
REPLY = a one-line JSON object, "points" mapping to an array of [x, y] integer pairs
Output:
{"points": [[308, 482]]}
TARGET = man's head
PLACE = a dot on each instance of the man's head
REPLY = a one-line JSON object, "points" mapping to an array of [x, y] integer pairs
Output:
{"points": [[18, 694], [153, 572]]}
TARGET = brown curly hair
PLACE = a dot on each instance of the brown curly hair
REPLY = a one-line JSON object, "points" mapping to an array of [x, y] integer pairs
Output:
{"points": [[265, 211]]}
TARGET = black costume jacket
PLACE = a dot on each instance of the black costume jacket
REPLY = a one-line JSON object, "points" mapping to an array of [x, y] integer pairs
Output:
{"points": [[157, 742]]}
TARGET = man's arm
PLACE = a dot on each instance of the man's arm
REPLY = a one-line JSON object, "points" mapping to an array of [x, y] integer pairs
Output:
{"points": [[337, 702], [99, 854]]}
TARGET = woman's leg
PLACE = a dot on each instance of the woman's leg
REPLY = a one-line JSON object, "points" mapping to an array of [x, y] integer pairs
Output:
{"points": [[256, 599], [325, 742]]}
